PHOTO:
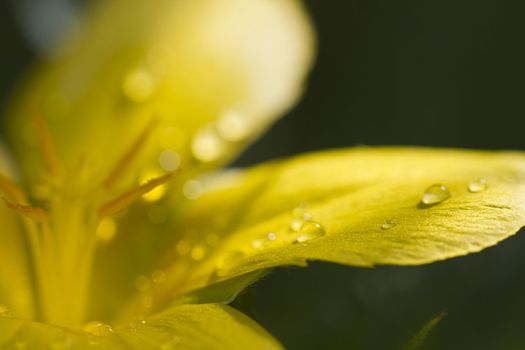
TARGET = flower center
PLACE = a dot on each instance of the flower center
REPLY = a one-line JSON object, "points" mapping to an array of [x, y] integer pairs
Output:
{"points": [[62, 227]]}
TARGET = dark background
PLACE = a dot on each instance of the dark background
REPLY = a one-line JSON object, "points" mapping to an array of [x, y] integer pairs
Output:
{"points": [[442, 73]]}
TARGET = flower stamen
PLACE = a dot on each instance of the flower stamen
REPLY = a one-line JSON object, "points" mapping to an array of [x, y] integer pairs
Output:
{"points": [[124, 200], [47, 145], [33, 213], [11, 190], [130, 154]]}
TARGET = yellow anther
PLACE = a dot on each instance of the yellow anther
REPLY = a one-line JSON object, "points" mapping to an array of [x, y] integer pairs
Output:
{"points": [[11, 190], [126, 199], [33, 213]]}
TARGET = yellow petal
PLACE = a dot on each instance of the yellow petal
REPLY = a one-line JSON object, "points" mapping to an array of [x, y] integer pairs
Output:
{"points": [[215, 73], [15, 280], [360, 207], [205, 326]]}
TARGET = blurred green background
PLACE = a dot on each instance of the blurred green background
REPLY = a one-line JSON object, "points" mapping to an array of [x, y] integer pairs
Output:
{"points": [[428, 73]]}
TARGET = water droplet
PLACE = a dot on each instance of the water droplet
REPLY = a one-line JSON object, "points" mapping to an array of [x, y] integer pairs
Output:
{"points": [[296, 224], [98, 329], [138, 85], [388, 224], [479, 185], [435, 194], [158, 276], [142, 283], [207, 145], [106, 230], [4, 311], [271, 236], [309, 231], [158, 213], [198, 253], [183, 247], [143, 322], [232, 126], [169, 160], [193, 189]]}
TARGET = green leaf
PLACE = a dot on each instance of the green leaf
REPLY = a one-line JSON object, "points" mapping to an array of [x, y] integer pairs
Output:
{"points": [[205, 326], [368, 204]]}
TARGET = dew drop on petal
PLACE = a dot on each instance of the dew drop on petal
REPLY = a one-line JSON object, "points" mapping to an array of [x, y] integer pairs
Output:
{"points": [[138, 86], [271, 236], [479, 185], [98, 329], [296, 224], [169, 160], [435, 194], [388, 224], [143, 322], [309, 231], [106, 230]]}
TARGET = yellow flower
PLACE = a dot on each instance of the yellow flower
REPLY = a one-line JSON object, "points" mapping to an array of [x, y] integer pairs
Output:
{"points": [[119, 232]]}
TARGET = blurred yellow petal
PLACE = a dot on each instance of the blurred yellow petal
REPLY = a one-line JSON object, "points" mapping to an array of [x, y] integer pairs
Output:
{"points": [[212, 73], [15, 283], [206, 326], [360, 207]]}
